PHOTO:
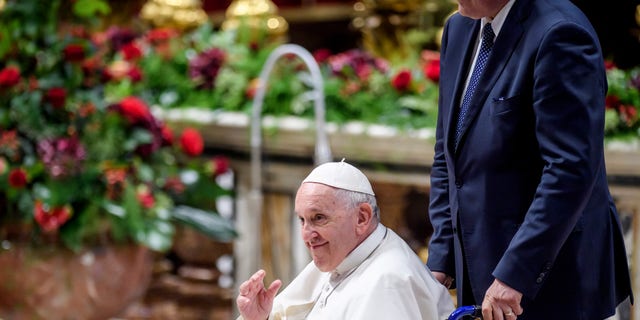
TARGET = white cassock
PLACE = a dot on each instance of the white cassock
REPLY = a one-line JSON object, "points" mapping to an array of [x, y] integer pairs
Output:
{"points": [[381, 279]]}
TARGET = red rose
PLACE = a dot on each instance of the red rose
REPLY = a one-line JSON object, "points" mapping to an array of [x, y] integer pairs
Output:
{"points": [[51, 219], [9, 76], [191, 142], [218, 165], [402, 80], [322, 55], [73, 53], [56, 97], [134, 109], [130, 51], [432, 70], [18, 178]]}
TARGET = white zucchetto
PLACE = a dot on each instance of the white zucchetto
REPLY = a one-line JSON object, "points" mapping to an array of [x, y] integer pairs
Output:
{"points": [[340, 175]]}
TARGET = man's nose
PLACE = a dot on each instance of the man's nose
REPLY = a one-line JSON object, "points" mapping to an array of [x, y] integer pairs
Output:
{"points": [[308, 232]]}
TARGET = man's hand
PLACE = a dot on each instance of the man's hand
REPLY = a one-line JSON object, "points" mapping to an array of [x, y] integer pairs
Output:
{"points": [[254, 300], [443, 278], [501, 302]]}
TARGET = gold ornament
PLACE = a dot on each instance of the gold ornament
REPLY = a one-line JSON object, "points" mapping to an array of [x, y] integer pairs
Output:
{"points": [[179, 14], [258, 15], [397, 30]]}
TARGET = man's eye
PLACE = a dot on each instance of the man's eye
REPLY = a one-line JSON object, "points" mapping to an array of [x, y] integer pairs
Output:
{"points": [[318, 218]]}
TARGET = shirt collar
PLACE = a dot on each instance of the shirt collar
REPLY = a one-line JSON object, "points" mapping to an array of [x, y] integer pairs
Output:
{"points": [[361, 252], [498, 20]]}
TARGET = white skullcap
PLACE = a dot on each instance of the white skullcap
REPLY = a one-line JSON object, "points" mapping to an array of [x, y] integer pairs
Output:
{"points": [[340, 175]]}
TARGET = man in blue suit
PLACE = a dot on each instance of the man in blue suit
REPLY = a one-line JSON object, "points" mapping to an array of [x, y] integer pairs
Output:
{"points": [[522, 214]]}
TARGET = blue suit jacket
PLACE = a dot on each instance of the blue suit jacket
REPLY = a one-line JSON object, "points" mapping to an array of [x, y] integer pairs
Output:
{"points": [[526, 191]]}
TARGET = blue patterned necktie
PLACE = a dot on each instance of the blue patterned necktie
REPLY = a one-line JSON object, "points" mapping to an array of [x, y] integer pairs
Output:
{"points": [[481, 61]]}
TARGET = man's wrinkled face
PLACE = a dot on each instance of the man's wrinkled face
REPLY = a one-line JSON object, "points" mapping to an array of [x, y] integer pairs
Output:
{"points": [[328, 225], [477, 9]]}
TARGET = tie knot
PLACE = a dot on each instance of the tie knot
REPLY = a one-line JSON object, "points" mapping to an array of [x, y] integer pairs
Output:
{"points": [[487, 33]]}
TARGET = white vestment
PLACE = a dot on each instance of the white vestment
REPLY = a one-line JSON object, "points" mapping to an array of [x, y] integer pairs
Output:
{"points": [[381, 279]]}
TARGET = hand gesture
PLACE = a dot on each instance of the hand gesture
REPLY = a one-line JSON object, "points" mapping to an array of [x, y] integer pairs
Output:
{"points": [[254, 300]]}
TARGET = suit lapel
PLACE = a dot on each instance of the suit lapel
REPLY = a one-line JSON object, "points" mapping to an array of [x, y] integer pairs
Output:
{"points": [[465, 48], [504, 46]]}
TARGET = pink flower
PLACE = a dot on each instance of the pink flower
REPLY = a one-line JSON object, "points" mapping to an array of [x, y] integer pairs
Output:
{"points": [[204, 68], [191, 142]]}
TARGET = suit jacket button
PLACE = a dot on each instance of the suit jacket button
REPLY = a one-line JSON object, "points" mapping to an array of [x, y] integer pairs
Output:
{"points": [[458, 184], [539, 280]]}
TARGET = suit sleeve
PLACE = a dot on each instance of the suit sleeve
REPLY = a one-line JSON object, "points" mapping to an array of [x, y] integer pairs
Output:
{"points": [[568, 102], [441, 251]]}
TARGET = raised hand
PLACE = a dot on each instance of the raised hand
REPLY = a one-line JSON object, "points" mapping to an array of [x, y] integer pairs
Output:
{"points": [[254, 301]]}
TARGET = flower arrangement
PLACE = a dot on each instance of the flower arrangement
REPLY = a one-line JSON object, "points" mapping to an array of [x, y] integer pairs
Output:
{"points": [[622, 119], [83, 159], [82, 154]]}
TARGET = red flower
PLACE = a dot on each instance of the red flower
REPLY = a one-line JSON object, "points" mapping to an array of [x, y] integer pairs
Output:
{"points": [[56, 97], [167, 135], [9, 143], [73, 53], [160, 35], [218, 165], [432, 70], [191, 142], [402, 80], [322, 55], [135, 74], [17, 178], [134, 109], [174, 185], [145, 197], [51, 219], [612, 102], [131, 51], [609, 65], [9, 76]]}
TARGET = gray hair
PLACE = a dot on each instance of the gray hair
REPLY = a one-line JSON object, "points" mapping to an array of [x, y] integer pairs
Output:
{"points": [[354, 199]]}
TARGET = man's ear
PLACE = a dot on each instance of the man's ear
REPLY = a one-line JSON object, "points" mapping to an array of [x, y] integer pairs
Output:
{"points": [[365, 214]]}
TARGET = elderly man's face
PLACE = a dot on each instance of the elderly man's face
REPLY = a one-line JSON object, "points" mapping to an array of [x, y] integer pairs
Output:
{"points": [[329, 228]]}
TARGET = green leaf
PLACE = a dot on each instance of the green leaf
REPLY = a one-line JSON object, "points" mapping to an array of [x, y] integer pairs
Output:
{"points": [[91, 8], [211, 224]]}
